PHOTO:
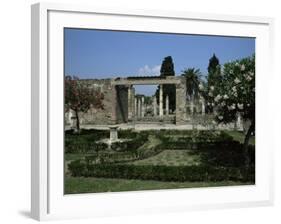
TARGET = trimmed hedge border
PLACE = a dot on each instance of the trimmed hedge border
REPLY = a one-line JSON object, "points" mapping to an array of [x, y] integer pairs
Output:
{"points": [[123, 156], [163, 173]]}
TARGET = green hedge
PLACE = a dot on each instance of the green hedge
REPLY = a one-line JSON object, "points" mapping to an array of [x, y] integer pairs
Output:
{"points": [[192, 139], [110, 157], [84, 147], [85, 141], [165, 173], [77, 168], [122, 156], [131, 145]]}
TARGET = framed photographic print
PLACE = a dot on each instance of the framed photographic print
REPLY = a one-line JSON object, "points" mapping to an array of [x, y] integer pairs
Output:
{"points": [[138, 111]]}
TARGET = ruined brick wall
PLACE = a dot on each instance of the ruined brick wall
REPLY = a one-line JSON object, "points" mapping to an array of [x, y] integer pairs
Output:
{"points": [[99, 116], [103, 116]]}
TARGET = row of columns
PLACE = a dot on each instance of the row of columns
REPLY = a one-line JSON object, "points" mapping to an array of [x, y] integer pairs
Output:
{"points": [[161, 110], [136, 106], [139, 106], [202, 102]]}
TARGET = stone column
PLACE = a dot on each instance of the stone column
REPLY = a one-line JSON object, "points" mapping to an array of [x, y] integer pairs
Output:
{"points": [[238, 122], [130, 106], [161, 101], [69, 117], [191, 104], [139, 107], [142, 106], [203, 106], [180, 103], [136, 107], [114, 104], [167, 105], [154, 106], [133, 103]]}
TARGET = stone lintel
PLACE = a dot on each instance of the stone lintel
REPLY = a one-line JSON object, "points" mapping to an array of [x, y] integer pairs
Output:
{"points": [[147, 81]]}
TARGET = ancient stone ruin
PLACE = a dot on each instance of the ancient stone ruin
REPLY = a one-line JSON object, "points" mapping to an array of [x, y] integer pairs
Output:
{"points": [[123, 106]]}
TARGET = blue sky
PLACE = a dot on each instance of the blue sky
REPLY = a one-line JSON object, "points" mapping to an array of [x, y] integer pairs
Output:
{"points": [[106, 54]]}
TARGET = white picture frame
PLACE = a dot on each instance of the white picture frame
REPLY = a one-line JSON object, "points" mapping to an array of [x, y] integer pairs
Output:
{"points": [[48, 201]]}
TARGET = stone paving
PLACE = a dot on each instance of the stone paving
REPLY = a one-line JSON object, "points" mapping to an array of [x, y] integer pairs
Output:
{"points": [[155, 126]]}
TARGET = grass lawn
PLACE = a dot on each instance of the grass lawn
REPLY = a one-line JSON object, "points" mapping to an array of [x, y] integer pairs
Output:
{"points": [[75, 185], [171, 158]]}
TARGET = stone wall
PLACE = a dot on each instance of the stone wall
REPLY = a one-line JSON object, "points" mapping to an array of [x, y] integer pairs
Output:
{"points": [[181, 102], [121, 104], [96, 116], [99, 116], [104, 116]]}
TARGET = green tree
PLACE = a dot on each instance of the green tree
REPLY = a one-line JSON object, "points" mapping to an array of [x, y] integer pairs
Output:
{"points": [[167, 69], [214, 70], [79, 97], [193, 77], [213, 79], [237, 95]]}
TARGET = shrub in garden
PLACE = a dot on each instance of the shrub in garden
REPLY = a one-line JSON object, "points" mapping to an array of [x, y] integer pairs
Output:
{"points": [[122, 156], [85, 141], [82, 146], [110, 157], [127, 134], [77, 168], [131, 145], [170, 173]]}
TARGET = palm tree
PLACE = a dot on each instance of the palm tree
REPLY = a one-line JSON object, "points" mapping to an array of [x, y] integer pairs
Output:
{"points": [[193, 77]]}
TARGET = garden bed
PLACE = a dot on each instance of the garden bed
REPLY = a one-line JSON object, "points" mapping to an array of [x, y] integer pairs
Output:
{"points": [[167, 155]]}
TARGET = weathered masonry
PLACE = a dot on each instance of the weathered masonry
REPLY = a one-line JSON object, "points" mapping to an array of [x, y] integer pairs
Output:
{"points": [[134, 106], [123, 105]]}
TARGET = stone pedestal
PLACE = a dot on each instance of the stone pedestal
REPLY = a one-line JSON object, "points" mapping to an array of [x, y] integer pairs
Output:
{"points": [[113, 133]]}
